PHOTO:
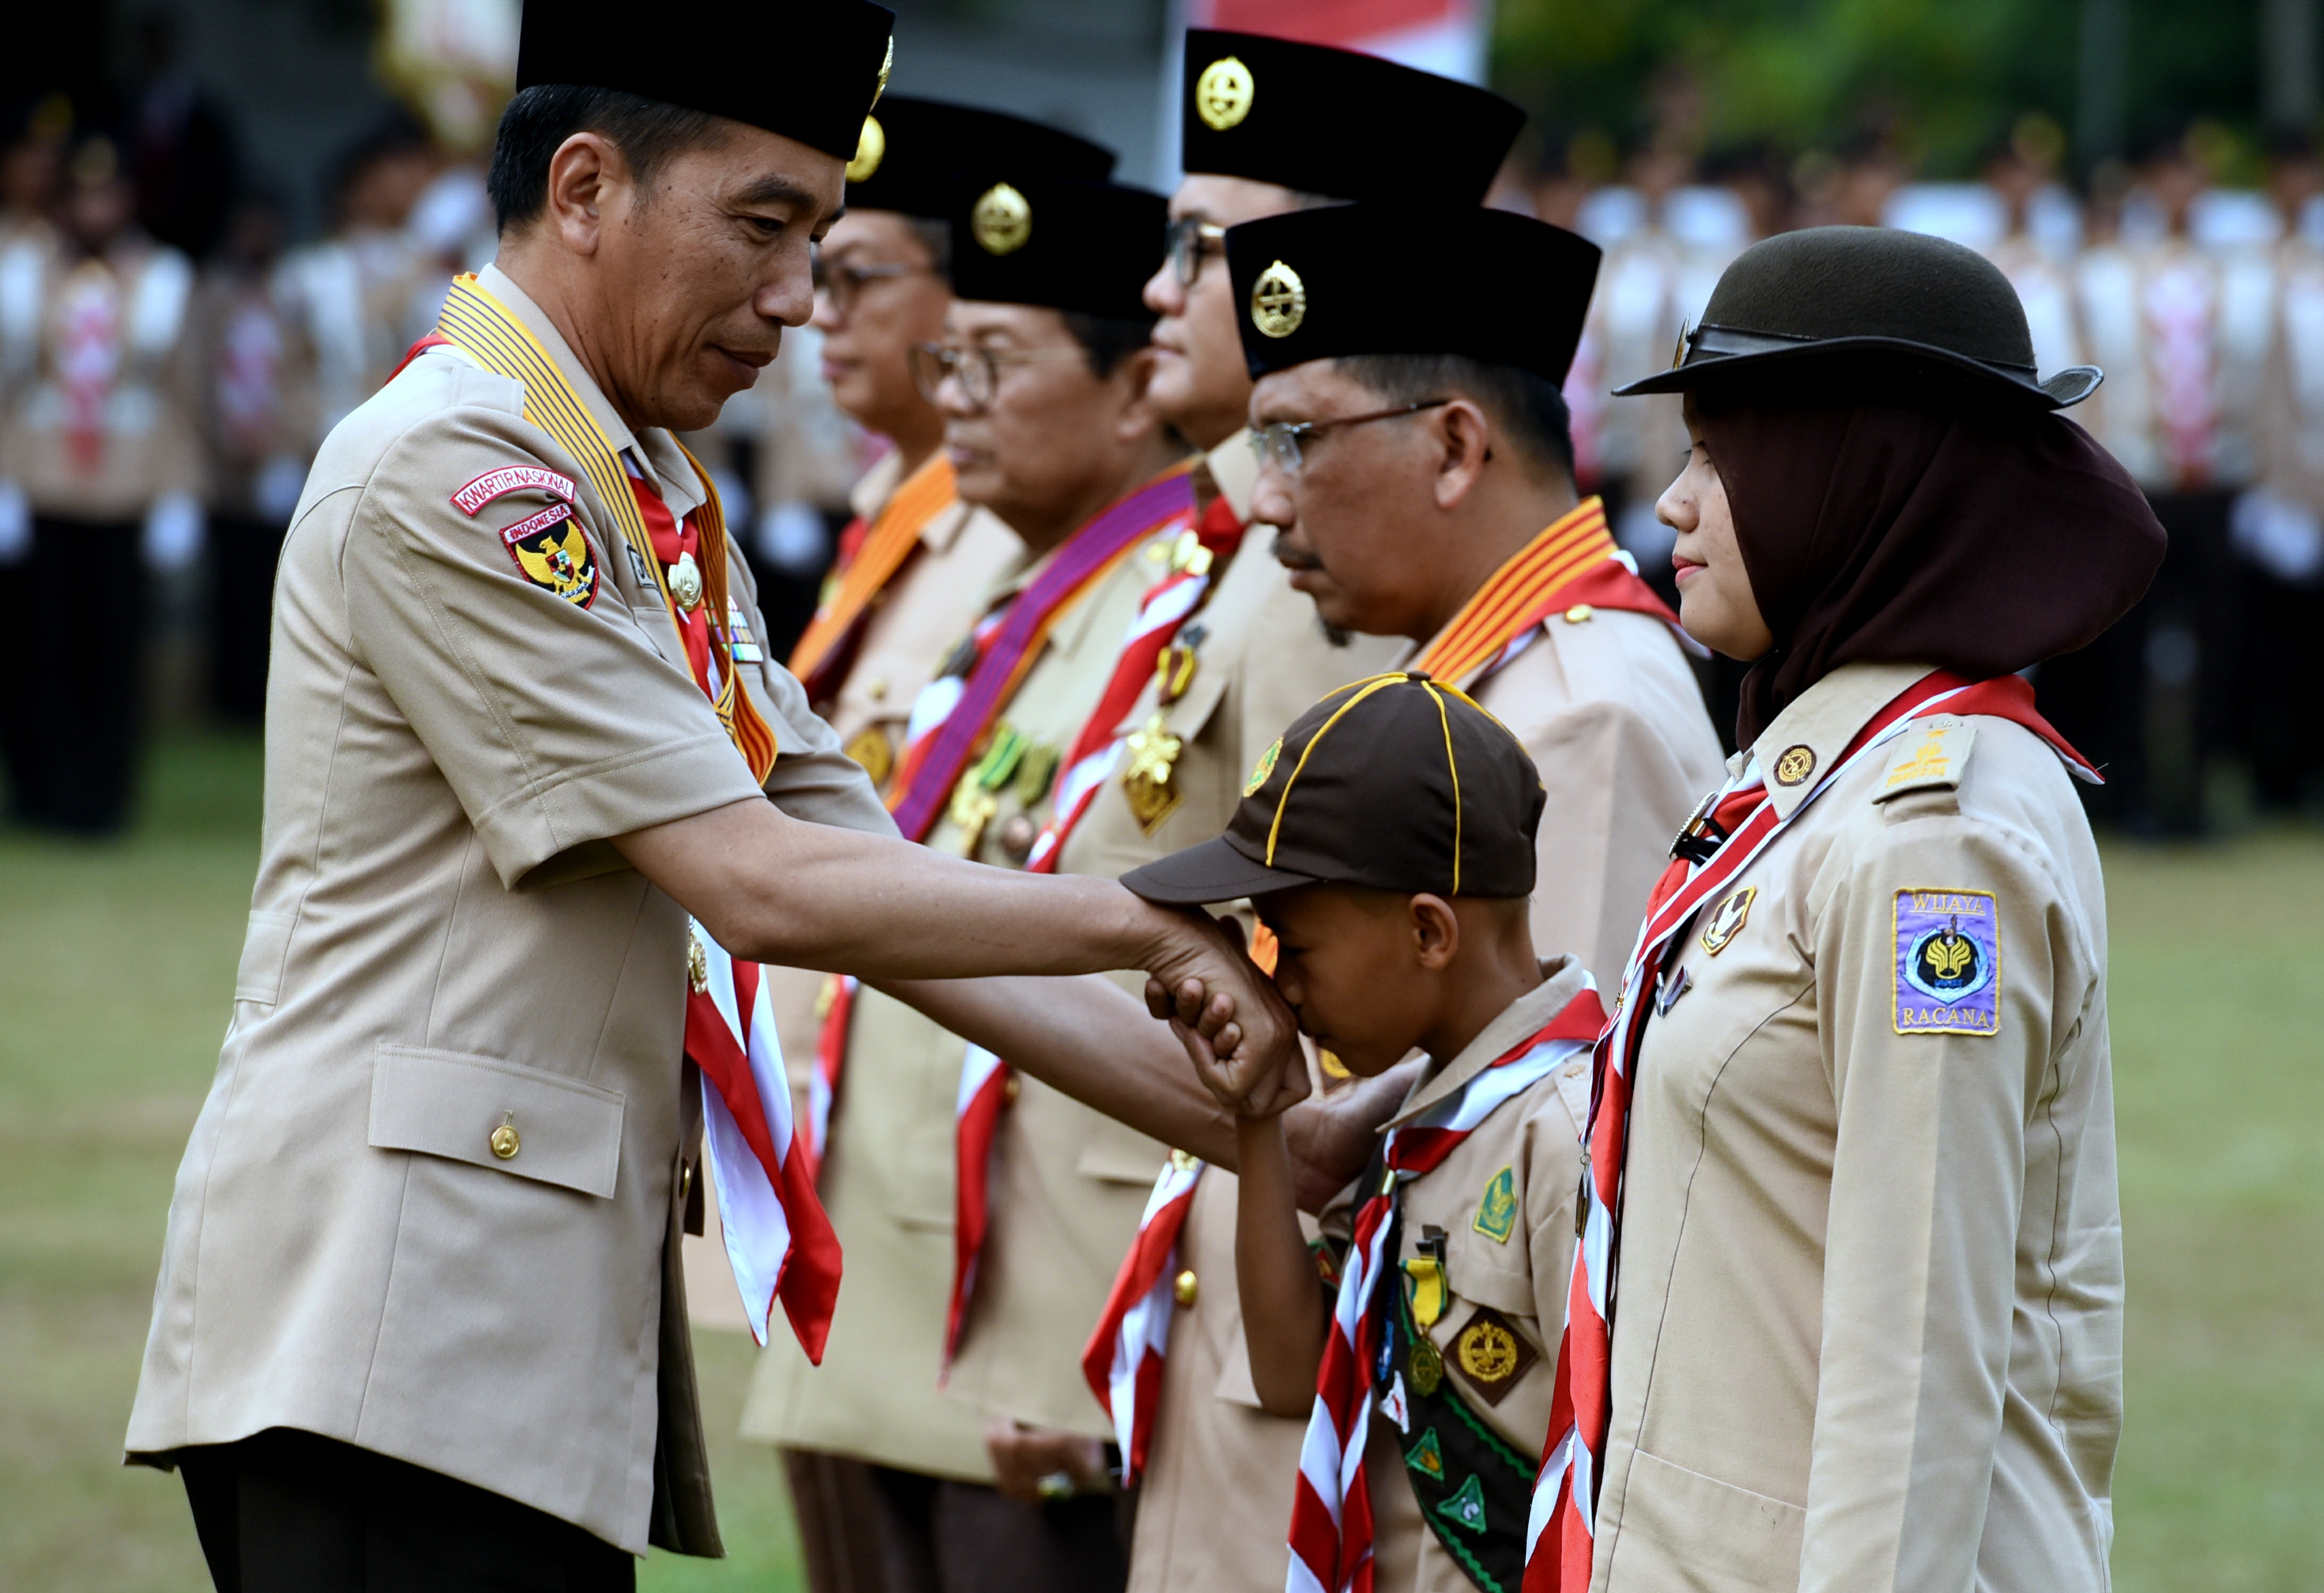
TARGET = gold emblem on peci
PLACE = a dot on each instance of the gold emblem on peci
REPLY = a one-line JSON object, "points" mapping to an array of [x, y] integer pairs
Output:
{"points": [[1279, 301], [870, 149], [1488, 1351], [1223, 93], [1001, 221], [887, 65], [1796, 765]]}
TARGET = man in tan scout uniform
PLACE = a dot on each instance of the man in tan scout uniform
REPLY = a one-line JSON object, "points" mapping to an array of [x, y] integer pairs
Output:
{"points": [[1266, 126], [99, 435], [419, 1322], [1419, 470], [1042, 378], [915, 572]]}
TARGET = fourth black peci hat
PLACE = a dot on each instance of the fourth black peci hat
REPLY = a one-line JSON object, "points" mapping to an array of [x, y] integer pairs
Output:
{"points": [[1368, 279]]}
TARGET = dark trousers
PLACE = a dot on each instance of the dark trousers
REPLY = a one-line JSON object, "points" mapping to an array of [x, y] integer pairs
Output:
{"points": [[288, 1511], [933, 1535], [74, 675], [243, 555]]}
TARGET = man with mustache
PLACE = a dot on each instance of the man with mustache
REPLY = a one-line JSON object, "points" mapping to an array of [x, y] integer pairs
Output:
{"points": [[532, 823]]}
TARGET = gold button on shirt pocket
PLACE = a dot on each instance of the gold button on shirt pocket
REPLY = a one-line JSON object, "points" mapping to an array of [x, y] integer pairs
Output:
{"points": [[490, 1113]]}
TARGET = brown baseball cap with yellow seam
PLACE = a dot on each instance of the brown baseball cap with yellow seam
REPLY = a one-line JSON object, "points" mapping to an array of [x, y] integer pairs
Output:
{"points": [[1398, 782]]}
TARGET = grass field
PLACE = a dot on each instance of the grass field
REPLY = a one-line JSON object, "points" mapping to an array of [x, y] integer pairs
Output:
{"points": [[115, 962]]}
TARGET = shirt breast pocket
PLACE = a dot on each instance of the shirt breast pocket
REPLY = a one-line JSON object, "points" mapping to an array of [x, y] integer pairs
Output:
{"points": [[496, 1114]]}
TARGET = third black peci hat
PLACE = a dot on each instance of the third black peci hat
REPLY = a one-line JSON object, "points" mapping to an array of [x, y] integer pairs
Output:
{"points": [[1081, 246], [1338, 124], [1367, 279], [912, 152], [1397, 783]]}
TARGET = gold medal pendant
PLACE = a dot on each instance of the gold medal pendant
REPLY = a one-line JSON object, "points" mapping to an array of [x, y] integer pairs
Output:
{"points": [[1153, 795], [686, 582], [1427, 1364]]}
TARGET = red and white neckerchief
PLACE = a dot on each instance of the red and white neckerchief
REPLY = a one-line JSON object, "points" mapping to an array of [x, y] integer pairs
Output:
{"points": [[2180, 304], [1729, 830], [835, 1009], [1196, 562], [1124, 1357], [985, 1089], [1332, 1510], [778, 1241], [89, 347]]}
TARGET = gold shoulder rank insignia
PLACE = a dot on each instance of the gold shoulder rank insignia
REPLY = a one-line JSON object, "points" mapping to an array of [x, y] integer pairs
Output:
{"points": [[1931, 753], [557, 560], [1497, 1209]]}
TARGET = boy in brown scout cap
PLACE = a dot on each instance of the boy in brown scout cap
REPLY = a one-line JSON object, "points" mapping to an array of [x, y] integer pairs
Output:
{"points": [[1388, 841]]}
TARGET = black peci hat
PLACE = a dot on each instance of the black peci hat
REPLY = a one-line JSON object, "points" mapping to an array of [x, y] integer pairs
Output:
{"points": [[1334, 123], [1082, 247], [1803, 302], [913, 152], [1398, 782], [1366, 279], [830, 61]]}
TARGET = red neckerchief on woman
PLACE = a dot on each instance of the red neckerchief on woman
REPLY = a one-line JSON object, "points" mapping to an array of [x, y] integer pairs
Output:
{"points": [[1332, 1510], [1733, 826]]}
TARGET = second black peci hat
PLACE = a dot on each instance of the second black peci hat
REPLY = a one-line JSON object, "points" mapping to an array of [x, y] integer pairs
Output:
{"points": [[913, 152], [1396, 783], [1371, 279], [1338, 124], [1081, 246]]}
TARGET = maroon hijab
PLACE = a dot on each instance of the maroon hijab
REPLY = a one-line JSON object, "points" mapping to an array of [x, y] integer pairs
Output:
{"points": [[1882, 534]]}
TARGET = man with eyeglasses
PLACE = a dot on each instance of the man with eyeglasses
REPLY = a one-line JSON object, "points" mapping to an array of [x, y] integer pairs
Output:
{"points": [[1269, 126], [863, 1436], [1420, 474]]}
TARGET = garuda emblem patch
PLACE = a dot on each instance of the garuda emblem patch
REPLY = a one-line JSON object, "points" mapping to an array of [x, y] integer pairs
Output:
{"points": [[551, 552]]}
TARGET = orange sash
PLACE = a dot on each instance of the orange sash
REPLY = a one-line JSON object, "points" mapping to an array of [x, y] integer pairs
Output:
{"points": [[918, 499], [1571, 563]]}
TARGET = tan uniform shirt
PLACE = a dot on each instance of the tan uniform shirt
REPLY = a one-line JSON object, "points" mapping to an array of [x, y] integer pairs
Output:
{"points": [[110, 362], [1611, 714], [1517, 1272], [1869, 1332], [442, 941], [887, 1180], [1215, 1505]]}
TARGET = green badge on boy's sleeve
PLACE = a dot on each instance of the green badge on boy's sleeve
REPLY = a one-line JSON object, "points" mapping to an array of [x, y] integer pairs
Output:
{"points": [[1496, 1208]]}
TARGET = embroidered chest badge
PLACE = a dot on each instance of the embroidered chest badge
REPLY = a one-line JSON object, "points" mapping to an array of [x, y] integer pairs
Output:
{"points": [[1492, 1355], [1948, 979], [1496, 1208], [1728, 918], [552, 554]]}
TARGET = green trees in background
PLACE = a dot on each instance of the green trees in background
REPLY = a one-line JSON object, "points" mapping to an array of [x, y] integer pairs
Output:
{"points": [[1937, 81]]}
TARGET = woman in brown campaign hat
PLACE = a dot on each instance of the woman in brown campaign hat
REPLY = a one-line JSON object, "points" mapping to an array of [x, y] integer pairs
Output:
{"points": [[1848, 1312]]}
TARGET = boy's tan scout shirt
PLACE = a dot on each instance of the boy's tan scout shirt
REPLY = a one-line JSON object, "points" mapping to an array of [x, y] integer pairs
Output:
{"points": [[442, 940], [1528, 1151], [1868, 1327]]}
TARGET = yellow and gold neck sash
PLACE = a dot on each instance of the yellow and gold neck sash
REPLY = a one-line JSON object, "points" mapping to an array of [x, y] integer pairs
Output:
{"points": [[484, 329], [1571, 564], [887, 543]]}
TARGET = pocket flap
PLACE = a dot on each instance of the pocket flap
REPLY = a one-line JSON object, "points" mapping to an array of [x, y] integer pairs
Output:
{"points": [[447, 1103]]}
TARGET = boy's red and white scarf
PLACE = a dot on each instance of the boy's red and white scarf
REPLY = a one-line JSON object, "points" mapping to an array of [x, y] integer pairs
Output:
{"points": [[1332, 1510], [1734, 825], [1169, 605], [1124, 1357]]}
